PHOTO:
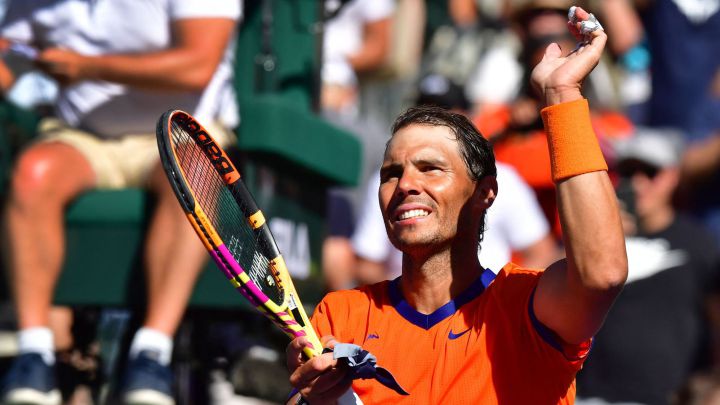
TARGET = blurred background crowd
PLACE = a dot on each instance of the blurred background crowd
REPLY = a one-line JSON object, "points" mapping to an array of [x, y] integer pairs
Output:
{"points": [[655, 105]]}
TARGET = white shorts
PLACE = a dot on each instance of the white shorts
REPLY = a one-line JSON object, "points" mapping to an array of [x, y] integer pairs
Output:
{"points": [[117, 162]]}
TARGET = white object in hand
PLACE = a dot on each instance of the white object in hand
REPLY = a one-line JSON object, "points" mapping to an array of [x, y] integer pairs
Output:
{"points": [[587, 26]]}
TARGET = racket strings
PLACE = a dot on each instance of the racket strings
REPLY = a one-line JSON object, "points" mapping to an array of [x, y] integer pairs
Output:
{"points": [[225, 212]]}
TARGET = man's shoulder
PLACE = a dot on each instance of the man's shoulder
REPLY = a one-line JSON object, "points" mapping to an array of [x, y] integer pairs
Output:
{"points": [[514, 271], [513, 277], [340, 312]]}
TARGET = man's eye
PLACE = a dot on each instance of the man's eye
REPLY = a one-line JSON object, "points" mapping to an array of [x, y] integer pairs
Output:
{"points": [[390, 174]]}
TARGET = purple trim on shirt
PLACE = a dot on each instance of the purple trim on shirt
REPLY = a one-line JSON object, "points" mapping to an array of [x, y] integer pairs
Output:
{"points": [[428, 321], [546, 333]]}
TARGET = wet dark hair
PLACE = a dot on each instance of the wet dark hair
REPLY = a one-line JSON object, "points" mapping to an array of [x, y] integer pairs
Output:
{"points": [[476, 151]]}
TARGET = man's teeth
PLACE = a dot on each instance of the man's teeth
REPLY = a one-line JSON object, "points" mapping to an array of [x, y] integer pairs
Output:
{"points": [[413, 214]]}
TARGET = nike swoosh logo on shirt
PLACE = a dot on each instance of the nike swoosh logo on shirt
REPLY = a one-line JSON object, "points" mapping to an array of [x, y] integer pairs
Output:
{"points": [[453, 336]]}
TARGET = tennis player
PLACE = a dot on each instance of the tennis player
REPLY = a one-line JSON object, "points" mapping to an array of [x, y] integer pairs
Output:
{"points": [[449, 330]]}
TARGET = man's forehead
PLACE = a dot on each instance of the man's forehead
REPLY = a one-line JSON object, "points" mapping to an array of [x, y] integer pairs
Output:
{"points": [[421, 135], [422, 154]]}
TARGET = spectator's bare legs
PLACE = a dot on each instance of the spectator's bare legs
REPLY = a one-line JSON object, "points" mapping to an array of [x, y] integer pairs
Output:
{"points": [[45, 179], [174, 258], [61, 322]]}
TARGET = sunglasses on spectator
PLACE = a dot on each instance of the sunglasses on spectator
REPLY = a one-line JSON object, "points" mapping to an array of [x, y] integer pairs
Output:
{"points": [[629, 168]]}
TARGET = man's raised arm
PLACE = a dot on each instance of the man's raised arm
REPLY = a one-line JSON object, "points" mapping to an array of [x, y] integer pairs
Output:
{"points": [[574, 295]]}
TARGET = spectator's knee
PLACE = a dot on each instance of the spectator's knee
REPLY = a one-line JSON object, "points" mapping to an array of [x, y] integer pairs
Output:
{"points": [[34, 179]]}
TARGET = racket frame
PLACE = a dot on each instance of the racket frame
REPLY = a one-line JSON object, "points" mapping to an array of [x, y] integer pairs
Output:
{"points": [[289, 316]]}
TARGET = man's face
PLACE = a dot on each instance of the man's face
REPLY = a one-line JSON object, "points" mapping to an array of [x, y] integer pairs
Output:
{"points": [[425, 191]]}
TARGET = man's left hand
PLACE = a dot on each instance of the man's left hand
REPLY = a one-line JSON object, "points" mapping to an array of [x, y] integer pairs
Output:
{"points": [[559, 78]]}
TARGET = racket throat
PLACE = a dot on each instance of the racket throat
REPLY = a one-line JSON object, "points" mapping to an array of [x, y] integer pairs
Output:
{"points": [[293, 307]]}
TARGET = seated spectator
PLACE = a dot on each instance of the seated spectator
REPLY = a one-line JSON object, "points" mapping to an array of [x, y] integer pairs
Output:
{"points": [[684, 66], [119, 65], [656, 335]]}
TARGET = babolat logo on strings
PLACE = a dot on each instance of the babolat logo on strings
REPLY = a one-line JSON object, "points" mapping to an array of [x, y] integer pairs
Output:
{"points": [[220, 161]]}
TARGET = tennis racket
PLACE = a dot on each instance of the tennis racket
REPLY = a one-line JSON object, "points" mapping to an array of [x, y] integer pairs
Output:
{"points": [[227, 220]]}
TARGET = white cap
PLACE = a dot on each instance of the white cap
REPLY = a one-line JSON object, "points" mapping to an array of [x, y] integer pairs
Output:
{"points": [[660, 147]]}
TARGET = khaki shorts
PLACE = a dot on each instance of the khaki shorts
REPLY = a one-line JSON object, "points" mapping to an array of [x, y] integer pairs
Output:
{"points": [[117, 162]]}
